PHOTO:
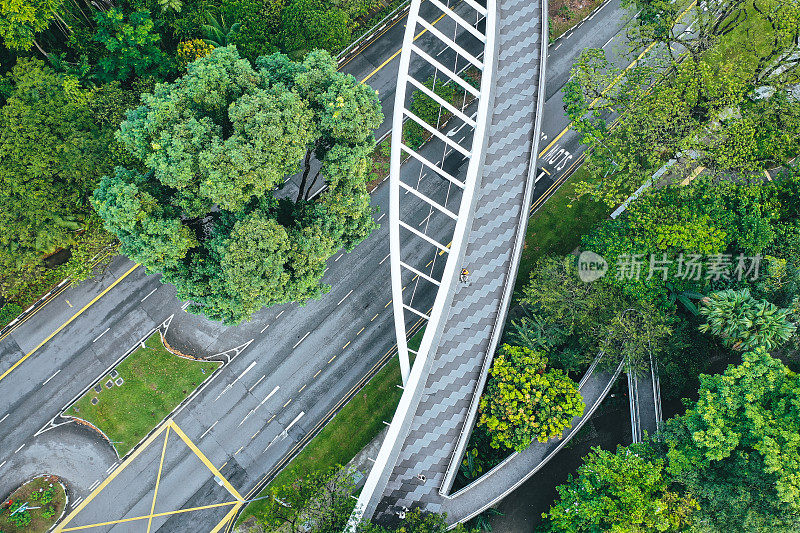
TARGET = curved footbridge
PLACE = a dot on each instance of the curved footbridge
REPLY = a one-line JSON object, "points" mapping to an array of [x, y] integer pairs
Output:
{"points": [[485, 212]]}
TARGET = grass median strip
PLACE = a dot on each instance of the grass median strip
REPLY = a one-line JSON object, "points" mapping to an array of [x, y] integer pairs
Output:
{"points": [[143, 389], [557, 226], [352, 428]]}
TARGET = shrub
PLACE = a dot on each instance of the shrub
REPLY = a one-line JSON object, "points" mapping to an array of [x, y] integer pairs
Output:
{"points": [[522, 402], [8, 313]]}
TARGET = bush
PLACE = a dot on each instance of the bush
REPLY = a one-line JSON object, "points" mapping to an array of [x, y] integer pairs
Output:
{"points": [[522, 402], [9, 312]]}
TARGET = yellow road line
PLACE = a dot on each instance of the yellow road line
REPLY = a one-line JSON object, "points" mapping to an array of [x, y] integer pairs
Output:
{"points": [[68, 322], [287, 457], [56, 292], [374, 39], [204, 459], [158, 480], [614, 81], [110, 478], [398, 52], [155, 515]]}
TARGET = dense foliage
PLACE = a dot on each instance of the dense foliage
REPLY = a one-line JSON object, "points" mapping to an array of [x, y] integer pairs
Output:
{"points": [[728, 464], [620, 492], [522, 402], [736, 450], [745, 323], [214, 146], [723, 105]]}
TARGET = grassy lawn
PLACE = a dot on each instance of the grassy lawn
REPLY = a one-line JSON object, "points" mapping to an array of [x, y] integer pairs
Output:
{"points": [[358, 422], [155, 381], [44, 492], [557, 227]]}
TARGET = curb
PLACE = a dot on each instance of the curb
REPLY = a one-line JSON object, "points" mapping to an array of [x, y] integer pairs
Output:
{"points": [[354, 48], [38, 304]]}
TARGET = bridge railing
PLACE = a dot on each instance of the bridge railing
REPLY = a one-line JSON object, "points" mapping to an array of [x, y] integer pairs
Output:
{"points": [[448, 194]]}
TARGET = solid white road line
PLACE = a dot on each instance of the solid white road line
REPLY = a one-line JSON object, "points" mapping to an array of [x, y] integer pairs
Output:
{"points": [[232, 383], [51, 377], [98, 337], [209, 429], [264, 328], [340, 256], [148, 294], [110, 468], [18, 449], [279, 314], [380, 217], [384, 259], [6, 416], [269, 395], [345, 297], [246, 370], [301, 340], [1, 464], [256, 383], [293, 422]]}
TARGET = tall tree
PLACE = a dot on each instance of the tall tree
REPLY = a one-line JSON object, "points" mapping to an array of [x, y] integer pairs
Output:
{"points": [[21, 20], [622, 492], [131, 44], [216, 144], [737, 449], [522, 402], [53, 149]]}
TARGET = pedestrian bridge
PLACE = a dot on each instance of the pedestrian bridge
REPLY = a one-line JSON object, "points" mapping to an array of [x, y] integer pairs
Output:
{"points": [[475, 175]]}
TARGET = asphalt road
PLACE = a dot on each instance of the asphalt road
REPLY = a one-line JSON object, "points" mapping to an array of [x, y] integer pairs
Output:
{"points": [[301, 360]]}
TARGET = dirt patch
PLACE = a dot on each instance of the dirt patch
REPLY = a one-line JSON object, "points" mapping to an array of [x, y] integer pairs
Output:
{"points": [[566, 14]]}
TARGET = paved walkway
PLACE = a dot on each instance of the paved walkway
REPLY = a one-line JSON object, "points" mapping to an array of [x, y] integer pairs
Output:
{"points": [[458, 371]]}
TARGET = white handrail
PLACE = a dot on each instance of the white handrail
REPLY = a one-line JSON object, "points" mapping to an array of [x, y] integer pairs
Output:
{"points": [[414, 378]]}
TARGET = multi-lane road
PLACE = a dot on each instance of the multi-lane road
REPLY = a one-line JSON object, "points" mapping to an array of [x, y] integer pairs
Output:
{"points": [[301, 363]]}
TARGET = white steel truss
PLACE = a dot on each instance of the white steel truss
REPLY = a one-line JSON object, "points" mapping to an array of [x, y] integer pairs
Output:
{"points": [[472, 151]]}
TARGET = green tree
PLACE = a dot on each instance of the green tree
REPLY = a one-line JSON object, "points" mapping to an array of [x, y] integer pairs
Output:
{"points": [[620, 492], [317, 503], [522, 402], [309, 24], [131, 45], [217, 143], [260, 25], [219, 33], [736, 450], [21, 20], [54, 149], [745, 323]]}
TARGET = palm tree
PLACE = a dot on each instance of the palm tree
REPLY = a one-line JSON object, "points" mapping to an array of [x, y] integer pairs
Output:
{"points": [[745, 323], [218, 33], [170, 5]]}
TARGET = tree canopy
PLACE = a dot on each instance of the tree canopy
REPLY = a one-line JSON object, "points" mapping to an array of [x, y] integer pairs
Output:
{"points": [[620, 492], [213, 148], [54, 147], [522, 402], [737, 449]]}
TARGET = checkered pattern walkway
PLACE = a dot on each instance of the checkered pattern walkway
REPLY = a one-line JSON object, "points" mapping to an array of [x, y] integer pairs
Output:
{"points": [[472, 329]]}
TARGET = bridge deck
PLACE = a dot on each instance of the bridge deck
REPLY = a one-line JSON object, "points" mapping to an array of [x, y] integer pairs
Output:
{"points": [[442, 419]]}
